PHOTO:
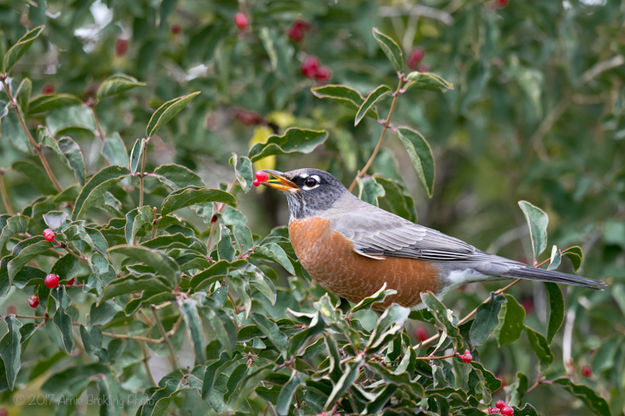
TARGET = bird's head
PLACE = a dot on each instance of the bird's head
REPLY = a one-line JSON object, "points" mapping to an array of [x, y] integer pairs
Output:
{"points": [[308, 191]]}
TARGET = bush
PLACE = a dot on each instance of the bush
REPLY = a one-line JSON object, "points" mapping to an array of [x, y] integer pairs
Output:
{"points": [[178, 290]]}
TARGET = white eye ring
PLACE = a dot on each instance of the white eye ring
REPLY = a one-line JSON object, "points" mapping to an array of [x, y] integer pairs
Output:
{"points": [[316, 180]]}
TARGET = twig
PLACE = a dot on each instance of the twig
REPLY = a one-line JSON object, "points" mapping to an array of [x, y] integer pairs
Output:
{"points": [[436, 357], [145, 359], [385, 127], [172, 354], [36, 146], [5, 196]]}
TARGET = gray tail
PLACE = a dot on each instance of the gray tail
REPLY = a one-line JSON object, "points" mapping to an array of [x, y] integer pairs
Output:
{"points": [[532, 273]]}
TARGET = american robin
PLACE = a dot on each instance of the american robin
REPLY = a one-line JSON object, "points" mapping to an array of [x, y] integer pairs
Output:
{"points": [[352, 247]]}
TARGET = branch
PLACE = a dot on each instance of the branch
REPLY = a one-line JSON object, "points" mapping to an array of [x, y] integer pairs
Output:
{"points": [[170, 348]]}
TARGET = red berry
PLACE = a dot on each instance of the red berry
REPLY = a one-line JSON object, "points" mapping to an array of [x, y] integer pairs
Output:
{"points": [[492, 410], [309, 67], [500, 404], [241, 20], [297, 29], [466, 357], [47, 89], [48, 234], [176, 29], [52, 280], [214, 218], [415, 57], [70, 282], [502, 3], [262, 176], [256, 182], [33, 301], [587, 371], [249, 118], [421, 334], [322, 74], [4, 411], [121, 47], [507, 411]]}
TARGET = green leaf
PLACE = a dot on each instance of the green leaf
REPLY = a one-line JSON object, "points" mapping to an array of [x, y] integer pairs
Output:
{"points": [[73, 157], [396, 198], [70, 382], [428, 81], [555, 258], [37, 176], [209, 275], [137, 221], [556, 310], [390, 48], [274, 252], [177, 176], [19, 48], [540, 346], [96, 187], [160, 262], [188, 307], [130, 284], [47, 102], [350, 374], [378, 296], [537, 221], [442, 315], [27, 254], [389, 323], [167, 111], [63, 321], [341, 94], [192, 195], [272, 332], [22, 95], [596, 403], [420, 154], [11, 349], [511, 321], [114, 150], [518, 389], [486, 319], [286, 394], [370, 190], [136, 154], [117, 84], [373, 97], [574, 254], [243, 171], [293, 141], [14, 225]]}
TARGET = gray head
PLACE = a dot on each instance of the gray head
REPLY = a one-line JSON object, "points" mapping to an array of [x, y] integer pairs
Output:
{"points": [[308, 191]]}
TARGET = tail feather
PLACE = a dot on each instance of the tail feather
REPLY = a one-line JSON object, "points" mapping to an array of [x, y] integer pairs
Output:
{"points": [[532, 273]]}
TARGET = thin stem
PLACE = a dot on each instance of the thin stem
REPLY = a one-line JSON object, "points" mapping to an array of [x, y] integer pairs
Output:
{"points": [[436, 357], [34, 144], [145, 150], [91, 104], [385, 127], [170, 348], [5, 196], [146, 357]]}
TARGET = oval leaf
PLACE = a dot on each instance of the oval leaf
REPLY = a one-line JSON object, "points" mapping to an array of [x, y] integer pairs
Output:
{"points": [[486, 319], [160, 262], [390, 48], [511, 321], [293, 140], [49, 102], [73, 157], [167, 111], [373, 97], [420, 154], [192, 195], [537, 221], [344, 95], [135, 154], [11, 349], [556, 310], [19, 48], [428, 81], [116, 84], [97, 186]]}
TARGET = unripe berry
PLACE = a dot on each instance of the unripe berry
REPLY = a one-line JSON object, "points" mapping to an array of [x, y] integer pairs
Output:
{"points": [[507, 411], [48, 234], [241, 20], [51, 280], [500, 404], [33, 301]]}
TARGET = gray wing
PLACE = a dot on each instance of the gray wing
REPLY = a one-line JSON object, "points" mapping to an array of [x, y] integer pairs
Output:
{"points": [[379, 233]]}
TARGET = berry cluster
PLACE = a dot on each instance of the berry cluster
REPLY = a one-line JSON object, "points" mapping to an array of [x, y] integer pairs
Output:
{"points": [[297, 30], [312, 69], [261, 176], [501, 407], [466, 357]]}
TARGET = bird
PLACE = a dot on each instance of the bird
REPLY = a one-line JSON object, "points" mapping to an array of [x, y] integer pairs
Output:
{"points": [[352, 248]]}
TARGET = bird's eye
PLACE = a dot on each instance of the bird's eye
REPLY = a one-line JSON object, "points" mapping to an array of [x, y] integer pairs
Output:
{"points": [[310, 182]]}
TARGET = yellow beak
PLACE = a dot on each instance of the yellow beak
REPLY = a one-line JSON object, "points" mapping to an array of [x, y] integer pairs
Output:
{"points": [[279, 181]]}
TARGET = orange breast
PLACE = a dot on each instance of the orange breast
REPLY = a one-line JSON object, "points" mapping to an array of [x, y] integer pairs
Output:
{"points": [[330, 259]]}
